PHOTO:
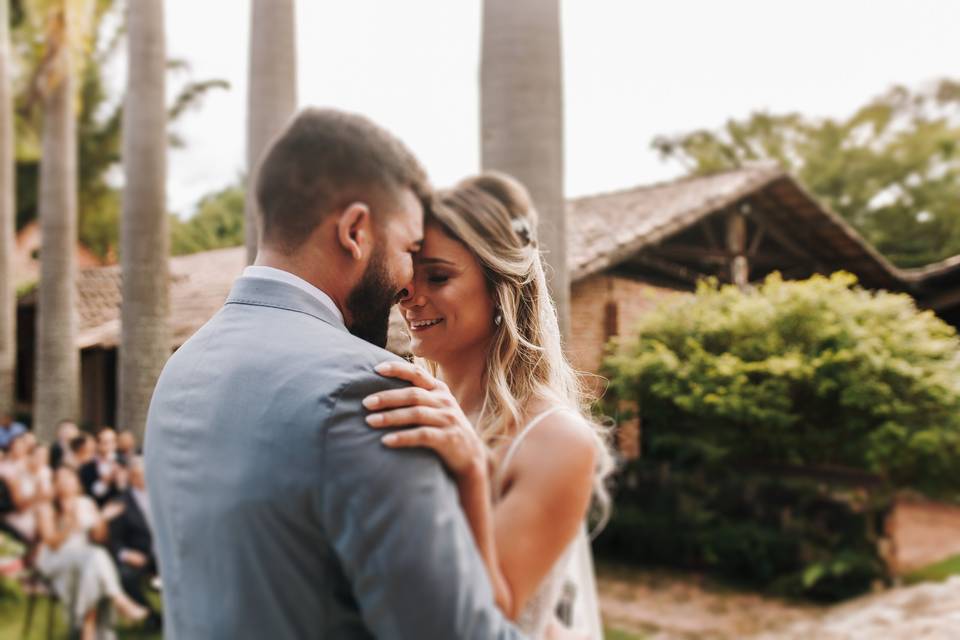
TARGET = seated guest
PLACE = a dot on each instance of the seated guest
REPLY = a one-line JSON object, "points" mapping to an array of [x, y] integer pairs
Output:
{"points": [[126, 447], [131, 538], [60, 451], [9, 429], [69, 526], [103, 477], [39, 466], [83, 449], [20, 474]]}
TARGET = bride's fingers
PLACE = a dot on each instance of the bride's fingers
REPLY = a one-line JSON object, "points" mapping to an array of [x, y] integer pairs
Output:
{"points": [[406, 371], [430, 437], [407, 416], [406, 397]]}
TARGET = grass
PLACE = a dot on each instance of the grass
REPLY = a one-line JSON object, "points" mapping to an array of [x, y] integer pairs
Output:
{"points": [[936, 572], [610, 633], [13, 613], [13, 610]]}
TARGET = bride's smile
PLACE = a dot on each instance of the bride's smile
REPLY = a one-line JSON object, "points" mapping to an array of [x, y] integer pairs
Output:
{"points": [[448, 309]]}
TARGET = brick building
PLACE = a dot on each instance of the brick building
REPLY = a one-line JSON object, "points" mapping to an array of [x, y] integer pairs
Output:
{"points": [[629, 250]]}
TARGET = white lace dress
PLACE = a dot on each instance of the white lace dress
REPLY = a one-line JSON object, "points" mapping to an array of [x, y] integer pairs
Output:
{"points": [[569, 586]]}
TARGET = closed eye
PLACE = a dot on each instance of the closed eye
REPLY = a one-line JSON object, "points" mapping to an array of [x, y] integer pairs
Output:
{"points": [[438, 279]]}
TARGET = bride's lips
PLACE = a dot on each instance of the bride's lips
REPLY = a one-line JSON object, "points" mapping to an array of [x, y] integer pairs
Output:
{"points": [[417, 326]]}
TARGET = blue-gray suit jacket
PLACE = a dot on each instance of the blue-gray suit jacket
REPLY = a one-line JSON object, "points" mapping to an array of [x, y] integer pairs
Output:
{"points": [[277, 512]]}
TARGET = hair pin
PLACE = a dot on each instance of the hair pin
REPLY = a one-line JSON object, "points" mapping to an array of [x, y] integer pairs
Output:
{"points": [[521, 226]]}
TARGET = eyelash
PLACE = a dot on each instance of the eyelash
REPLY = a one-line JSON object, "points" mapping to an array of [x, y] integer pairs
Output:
{"points": [[438, 279]]}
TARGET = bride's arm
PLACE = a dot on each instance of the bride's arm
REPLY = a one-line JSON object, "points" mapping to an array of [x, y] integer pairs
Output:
{"points": [[474, 488], [442, 426], [548, 485]]}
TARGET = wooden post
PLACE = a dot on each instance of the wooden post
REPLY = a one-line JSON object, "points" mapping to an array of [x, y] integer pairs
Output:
{"points": [[737, 246]]}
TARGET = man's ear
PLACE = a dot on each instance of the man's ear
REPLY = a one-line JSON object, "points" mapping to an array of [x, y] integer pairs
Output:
{"points": [[354, 230]]}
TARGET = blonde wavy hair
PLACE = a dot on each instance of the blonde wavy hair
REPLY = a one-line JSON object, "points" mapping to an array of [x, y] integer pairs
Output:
{"points": [[493, 216]]}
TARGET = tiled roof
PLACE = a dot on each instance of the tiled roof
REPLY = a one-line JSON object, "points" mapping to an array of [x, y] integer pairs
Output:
{"points": [[607, 227], [199, 284], [604, 230]]}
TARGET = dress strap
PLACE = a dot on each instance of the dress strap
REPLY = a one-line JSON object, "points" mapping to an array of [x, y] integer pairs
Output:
{"points": [[515, 445]]}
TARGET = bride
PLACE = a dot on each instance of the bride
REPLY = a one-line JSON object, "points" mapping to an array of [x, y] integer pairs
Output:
{"points": [[497, 400]]}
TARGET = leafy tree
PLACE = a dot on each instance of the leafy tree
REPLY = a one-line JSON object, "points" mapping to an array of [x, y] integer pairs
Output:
{"points": [[98, 119], [809, 373], [217, 223], [892, 168]]}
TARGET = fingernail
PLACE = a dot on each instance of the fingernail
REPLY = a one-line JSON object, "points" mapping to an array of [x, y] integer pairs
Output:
{"points": [[383, 367], [371, 401], [374, 419], [390, 438]]}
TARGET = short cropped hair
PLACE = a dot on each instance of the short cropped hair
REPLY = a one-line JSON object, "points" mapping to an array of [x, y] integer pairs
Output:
{"points": [[325, 159], [78, 442]]}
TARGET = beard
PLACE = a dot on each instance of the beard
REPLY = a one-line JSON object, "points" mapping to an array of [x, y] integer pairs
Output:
{"points": [[370, 302]]}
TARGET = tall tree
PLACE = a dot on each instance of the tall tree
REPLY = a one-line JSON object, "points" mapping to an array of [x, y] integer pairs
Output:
{"points": [[891, 168], [99, 117], [272, 91], [521, 118], [144, 240], [57, 389], [8, 315]]}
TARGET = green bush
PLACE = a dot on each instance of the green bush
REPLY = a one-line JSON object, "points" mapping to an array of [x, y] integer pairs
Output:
{"points": [[776, 424], [795, 537], [816, 372]]}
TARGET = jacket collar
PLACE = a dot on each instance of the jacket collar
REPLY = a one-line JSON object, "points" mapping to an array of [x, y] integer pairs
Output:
{"points": [[264, 292]]}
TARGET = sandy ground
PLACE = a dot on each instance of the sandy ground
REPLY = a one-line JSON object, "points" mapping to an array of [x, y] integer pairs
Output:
{"points": [[664, 606]]}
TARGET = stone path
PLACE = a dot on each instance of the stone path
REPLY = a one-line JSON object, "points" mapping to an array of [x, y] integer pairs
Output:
{"points": [[664, 606], [929, 611]]}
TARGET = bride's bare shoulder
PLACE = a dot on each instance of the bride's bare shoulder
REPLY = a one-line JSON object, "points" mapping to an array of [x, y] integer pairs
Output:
{"points": [[562, 443]]}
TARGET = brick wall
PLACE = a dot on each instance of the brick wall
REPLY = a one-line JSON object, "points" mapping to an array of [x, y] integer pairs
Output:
{"points": [[603, 306], [601, 303], [923, 532]]}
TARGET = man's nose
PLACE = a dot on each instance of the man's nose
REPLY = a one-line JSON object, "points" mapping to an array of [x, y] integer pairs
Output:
{"points": [[408, 296]]}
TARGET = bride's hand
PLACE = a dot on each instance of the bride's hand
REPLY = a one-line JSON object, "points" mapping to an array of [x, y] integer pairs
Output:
{"points": [[439, 423]]}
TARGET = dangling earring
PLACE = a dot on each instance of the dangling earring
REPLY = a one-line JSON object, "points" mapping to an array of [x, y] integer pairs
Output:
{"points": [[498, 318]]}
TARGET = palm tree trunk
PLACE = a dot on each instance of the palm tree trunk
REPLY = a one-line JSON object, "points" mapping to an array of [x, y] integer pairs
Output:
{"points": [[8, 295], [521, 119], [57, 388], [271, 92], [145, 242]]}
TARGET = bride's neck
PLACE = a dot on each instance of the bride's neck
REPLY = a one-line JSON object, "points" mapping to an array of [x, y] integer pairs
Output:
{"points": [[464, 376]]}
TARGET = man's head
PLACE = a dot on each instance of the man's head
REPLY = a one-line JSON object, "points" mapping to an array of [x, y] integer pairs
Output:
{"points": [[342, 204], [82, 447], [126, 442], [106, 442], [67, 430]]}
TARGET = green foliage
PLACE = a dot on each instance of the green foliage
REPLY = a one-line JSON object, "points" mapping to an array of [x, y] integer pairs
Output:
{"points": [[809, 373], [99, 121], [217, 223], [793, 537], [892, 168]]}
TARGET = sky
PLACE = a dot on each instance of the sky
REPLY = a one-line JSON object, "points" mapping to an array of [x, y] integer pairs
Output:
{"points": [[633, 69]]}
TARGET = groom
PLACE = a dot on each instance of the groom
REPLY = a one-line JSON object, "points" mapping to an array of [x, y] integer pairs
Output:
{"points": [[278, 513]]}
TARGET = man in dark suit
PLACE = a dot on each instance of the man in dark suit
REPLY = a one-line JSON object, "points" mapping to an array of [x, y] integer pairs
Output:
{"points": [[131, 538], [103, 477]]}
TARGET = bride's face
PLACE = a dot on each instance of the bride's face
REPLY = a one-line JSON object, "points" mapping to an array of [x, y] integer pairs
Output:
{"points": [[448, 310]]}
